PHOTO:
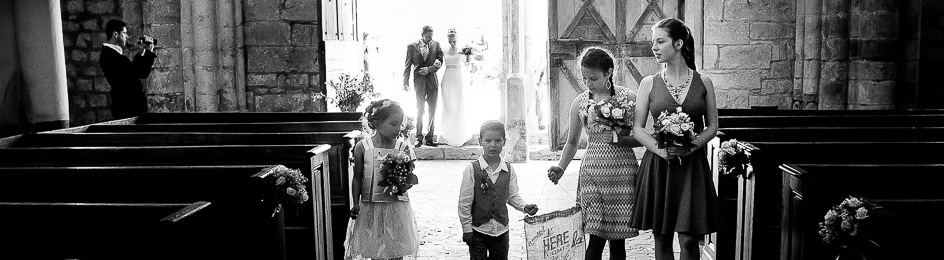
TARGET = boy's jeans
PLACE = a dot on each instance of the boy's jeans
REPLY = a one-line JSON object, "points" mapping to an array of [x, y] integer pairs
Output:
{"points": [[482, 245]]}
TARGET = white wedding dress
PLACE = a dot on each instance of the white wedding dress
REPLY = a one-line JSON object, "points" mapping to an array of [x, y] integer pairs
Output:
{"points": [[454, 128]]}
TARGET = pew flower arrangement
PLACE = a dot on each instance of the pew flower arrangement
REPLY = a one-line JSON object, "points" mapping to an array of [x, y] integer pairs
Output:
{"points": [[285, 186], [734, 160], [845, 226], [674, 130], [397, 169], [613, 114], [352, 91]]}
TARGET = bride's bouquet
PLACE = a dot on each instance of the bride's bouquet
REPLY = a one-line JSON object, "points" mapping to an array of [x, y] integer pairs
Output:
{"points": [[397, 169], [674, 130], [613, 114], [467, 51]]}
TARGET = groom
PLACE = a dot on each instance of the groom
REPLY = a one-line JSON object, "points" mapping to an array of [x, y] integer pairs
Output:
{"points": [[427, 57]]}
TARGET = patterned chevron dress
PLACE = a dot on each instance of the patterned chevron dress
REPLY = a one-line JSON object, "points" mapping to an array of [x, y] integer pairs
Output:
{"points": [[606, 185]]}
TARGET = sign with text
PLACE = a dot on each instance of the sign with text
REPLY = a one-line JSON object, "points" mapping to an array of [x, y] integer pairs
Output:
{"points": [[555, 235]]}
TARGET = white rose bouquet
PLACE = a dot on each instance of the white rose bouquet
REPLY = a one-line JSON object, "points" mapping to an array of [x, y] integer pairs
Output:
{"points": [[734, 160], [284, 186], [676, 129], [614, 114]]}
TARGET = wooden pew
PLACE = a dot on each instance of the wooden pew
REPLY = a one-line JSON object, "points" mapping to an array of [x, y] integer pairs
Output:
{"points": [[836, 121], [760, 220], [304, 232], [834, 134], [728, 112], [908, 191], [57, 230], [244, 117], [275, 127]]}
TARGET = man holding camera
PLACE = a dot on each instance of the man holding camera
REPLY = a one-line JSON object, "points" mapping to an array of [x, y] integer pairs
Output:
{"points": [[124, 74]]}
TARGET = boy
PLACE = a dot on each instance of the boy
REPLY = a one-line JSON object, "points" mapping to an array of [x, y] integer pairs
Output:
{"points": [[487, 185]]}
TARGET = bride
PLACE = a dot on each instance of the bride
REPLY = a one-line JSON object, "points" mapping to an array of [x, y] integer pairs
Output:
{"points": [[455, 130]]}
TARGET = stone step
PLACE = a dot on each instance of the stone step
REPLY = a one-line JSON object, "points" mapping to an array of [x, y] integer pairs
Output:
{"points": [[472, 152]]}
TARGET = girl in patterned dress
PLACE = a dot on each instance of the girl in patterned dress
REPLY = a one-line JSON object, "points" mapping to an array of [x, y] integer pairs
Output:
{"points": [[384, 227], [676, 191], [606, 184]]}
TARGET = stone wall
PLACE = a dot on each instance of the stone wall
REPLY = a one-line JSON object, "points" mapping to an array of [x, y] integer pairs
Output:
{"points": [[254, 55], [282, 51], [83, 28], [748, 51]]}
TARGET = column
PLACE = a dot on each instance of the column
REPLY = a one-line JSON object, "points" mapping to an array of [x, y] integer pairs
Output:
{"points": [[38, 29], [516, 129], [834, 77], [812, 42]]}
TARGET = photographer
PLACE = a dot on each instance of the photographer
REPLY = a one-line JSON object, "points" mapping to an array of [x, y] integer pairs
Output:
{"points": [[124, 74]]}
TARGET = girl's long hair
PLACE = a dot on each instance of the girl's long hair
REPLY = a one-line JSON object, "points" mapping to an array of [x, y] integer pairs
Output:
{"points": [[679, 31]]}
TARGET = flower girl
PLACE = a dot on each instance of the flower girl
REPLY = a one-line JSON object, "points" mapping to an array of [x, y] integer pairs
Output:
{"points": [[384, 226]]}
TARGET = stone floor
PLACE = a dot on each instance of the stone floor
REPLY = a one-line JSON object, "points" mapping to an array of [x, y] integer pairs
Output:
{"points": [[435, 204]]}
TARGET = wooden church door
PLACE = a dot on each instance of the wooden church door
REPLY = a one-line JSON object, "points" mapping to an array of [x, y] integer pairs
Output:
{"points": [[620, 26]]}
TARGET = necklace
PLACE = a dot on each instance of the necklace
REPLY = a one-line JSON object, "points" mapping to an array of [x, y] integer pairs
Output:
{"points": [[676, 91]]}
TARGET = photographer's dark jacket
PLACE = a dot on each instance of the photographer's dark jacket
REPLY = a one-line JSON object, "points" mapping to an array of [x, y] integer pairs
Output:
{"points": [[124, 76]]}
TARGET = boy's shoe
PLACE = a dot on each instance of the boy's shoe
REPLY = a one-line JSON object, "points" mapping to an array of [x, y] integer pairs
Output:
{"points": [[419, 141]]}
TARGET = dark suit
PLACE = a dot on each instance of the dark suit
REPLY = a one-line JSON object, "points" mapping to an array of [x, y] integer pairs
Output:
{"points": [[426, 86], [124, 76]]}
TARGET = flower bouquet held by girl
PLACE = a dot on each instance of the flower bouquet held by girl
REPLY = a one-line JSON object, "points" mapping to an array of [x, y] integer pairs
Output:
{"points": [[284, 186], [614, 114], [733, 159], [398, 174], [674, 130]]}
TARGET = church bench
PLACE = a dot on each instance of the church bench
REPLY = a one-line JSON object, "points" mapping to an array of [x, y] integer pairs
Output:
{"points": [[834, 134], [274, 127], [909, 193], [57, 230], [234, 191], [245, 117], [302, 231], [728, 112], [174, 139], [759, 219], [906, 120]]}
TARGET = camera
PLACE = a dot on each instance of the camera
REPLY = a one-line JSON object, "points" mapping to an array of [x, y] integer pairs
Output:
{"points": [[143, 40]]}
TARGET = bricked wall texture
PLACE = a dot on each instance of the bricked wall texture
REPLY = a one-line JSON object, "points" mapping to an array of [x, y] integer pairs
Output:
{"points": [[83, 26], [279, 69], [749, 51]]}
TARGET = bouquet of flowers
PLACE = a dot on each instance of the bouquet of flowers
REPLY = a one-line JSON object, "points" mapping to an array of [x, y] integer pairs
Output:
{"points": [[406, 130], [467, 51], [351, 91], [846, 225], [734, 159], [676, 129], [284, 186], [614, 114], [398, 174]]}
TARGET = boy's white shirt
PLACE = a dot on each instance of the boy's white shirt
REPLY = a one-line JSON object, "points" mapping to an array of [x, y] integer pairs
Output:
{"points": [[467, 195]]}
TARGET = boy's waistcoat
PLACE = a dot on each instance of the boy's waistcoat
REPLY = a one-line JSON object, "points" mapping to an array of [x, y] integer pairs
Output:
{"points": [[489, 203]]}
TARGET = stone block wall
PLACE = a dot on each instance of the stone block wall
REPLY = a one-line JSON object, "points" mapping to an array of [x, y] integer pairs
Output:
{"points": [[748, 51], [282, 49], [83, 28], [254, 55]]}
